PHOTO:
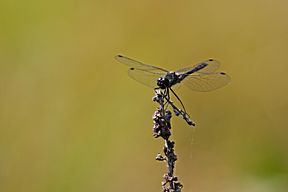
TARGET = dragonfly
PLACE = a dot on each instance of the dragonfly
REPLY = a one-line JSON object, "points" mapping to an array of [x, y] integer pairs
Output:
{"points": [[201, 77]]}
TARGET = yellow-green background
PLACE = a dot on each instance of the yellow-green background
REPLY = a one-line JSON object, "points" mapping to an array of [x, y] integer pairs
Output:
{"points": [[72, 120]]}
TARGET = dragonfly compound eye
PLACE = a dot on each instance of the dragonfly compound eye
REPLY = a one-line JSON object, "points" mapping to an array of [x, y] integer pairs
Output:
{"points": [[162, 82]]}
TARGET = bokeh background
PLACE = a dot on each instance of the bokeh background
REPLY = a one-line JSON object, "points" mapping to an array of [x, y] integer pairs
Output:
{"points": [[72, 120]]}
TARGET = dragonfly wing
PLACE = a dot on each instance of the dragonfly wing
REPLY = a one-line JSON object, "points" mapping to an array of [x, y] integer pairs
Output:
{"points": [[138, 65], [145, 77], [206, 82], [211, 65], [143, 73]]}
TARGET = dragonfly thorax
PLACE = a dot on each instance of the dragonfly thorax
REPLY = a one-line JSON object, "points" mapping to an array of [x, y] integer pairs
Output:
{"points": [[168, 80]]}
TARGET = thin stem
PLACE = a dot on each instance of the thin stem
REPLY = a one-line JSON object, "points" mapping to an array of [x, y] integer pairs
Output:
{"points": [[161, 128]]}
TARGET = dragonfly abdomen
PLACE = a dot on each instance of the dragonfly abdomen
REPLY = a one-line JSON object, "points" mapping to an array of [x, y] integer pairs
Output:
{"points": [[197, 68]]}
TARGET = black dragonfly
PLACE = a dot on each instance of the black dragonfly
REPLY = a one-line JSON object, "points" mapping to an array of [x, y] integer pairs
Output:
{"points": [[200, 77]]}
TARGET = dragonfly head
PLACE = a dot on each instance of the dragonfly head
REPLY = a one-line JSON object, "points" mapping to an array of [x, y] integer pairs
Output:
{"points": [[162, 82], [167, 80]]}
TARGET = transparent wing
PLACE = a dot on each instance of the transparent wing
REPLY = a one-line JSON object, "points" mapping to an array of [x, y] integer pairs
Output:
{"points": [[143, 73], [138, 65], [206, 82], [210, 66], [145, 77]]}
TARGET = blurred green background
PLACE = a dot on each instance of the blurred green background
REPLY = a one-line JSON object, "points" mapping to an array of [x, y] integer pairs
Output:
{"points": [[72, 120]]}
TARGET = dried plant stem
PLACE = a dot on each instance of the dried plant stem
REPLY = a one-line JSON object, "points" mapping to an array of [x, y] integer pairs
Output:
{"points": [[161, 128]]}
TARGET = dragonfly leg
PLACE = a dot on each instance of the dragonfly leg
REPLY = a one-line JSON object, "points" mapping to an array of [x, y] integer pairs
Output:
{"points": [[167, 93], [178, 99]]}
